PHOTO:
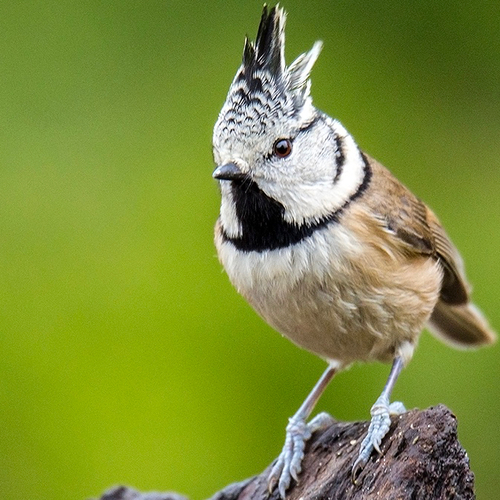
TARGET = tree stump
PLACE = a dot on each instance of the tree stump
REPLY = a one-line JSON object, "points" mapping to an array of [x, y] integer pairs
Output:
{"points": [[421, 459]]}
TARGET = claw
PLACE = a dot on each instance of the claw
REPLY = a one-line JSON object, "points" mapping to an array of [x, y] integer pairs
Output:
{"points": [[289, 463], [379, 426], [381, 419], [298, 431], [357, 467], [272, 480], [284, 483]]}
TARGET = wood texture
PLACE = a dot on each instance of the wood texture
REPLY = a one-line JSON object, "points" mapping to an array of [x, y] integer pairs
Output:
{"points": [[421, 459]]}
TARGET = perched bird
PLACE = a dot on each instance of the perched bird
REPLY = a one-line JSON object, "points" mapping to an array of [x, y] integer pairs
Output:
{"points": [[324, 242]]}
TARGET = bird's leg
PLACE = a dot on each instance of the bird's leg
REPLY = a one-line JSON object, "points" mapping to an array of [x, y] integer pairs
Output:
{"points": [[380, 421], [298, 431]]}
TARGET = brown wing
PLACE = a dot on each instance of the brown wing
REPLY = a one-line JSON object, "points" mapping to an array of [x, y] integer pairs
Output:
{"points": [[455, 289], [409, 219]]}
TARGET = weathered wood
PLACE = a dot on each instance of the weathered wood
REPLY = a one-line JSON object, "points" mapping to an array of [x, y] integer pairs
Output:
{"points": [[421, 459]]}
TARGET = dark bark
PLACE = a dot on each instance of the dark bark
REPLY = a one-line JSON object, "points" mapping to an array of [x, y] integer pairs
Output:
{"points": [[421, 459]]}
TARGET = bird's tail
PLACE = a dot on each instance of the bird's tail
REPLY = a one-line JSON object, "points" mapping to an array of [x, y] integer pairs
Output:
{"points": [[462, 326]]}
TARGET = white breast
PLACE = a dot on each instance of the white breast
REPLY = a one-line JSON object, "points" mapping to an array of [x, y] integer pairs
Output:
{"points": [[331, 296]]}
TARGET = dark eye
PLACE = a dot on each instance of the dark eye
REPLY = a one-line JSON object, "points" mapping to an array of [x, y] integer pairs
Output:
{"points": [[282, 148]]}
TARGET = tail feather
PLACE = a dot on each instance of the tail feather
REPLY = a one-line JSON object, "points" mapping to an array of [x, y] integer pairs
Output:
{"points": [[462, 326]]}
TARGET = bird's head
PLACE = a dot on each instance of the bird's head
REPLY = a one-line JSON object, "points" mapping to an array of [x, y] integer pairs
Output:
{"points": [[275, 152]]}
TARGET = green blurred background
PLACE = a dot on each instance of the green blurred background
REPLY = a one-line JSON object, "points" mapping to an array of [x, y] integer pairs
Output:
{"points": [[126, 356]]}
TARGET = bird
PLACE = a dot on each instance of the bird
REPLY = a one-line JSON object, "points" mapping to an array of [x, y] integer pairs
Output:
{"points": [[327, 246]]}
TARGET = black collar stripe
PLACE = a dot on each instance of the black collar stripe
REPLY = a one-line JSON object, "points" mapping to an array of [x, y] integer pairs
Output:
{"points": [[262, 222]]}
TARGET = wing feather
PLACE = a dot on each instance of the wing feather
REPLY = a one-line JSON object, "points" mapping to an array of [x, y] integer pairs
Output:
{"points": [[419, 231]]}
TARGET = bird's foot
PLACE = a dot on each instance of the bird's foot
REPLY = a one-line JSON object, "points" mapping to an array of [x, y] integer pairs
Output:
{"points": [[289, 463], [379, 426]]}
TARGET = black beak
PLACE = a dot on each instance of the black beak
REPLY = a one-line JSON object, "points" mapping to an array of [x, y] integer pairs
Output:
{"points": [[228, 172]]}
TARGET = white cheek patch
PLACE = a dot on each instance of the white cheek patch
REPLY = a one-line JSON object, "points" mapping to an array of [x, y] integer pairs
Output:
{"points": [[352, 172], [310, 202], [230, 222]]}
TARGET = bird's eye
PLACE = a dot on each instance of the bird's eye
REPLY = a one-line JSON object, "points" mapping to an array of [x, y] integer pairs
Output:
{"points": [[282, 148]]}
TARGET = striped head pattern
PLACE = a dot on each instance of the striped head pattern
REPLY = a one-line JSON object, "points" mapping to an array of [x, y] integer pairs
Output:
{"points": [[296, 167]]}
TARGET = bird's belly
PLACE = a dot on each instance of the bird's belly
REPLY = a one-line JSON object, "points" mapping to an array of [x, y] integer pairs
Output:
{"points": [[340, 322], [340, 303]]}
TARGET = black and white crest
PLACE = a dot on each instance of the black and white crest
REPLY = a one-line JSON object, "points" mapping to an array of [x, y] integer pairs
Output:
{"points": [[265, 92], [279, 200]]}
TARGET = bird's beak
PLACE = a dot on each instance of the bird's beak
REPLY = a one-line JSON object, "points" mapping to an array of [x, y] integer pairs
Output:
{"points": [[228, 172]]}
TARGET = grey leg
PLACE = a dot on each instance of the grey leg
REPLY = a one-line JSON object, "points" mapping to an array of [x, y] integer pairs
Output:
{"points": [[298, 431], [381, 421]]}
